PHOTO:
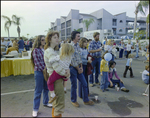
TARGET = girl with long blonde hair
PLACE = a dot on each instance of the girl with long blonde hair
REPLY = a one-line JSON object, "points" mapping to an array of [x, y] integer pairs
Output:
{"points": [[84, 54]]}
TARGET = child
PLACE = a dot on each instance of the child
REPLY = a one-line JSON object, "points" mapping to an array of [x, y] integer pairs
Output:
{"points": [[64, 59], [104, 74], [113, 82], [128, 66], [145, 75]]}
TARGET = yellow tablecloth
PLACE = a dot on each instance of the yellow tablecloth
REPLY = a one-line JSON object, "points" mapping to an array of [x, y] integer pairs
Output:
{"points": [[16, 67]]}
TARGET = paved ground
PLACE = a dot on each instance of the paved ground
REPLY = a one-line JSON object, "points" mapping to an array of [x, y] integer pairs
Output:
{"points": [[110, 104]]}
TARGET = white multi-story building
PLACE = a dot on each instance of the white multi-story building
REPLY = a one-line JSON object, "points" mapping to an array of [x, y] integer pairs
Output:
{"points": [[120, 24]]}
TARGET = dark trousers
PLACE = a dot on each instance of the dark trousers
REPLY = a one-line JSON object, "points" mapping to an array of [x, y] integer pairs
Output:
{"points": [[121, 53], [126, 69], [128, 52]]}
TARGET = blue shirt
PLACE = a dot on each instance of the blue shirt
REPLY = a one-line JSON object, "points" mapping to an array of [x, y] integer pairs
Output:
{"points": [[84, 53], [104, 42], [128, 61], [94, 46], [21, 44], [76, 57]]}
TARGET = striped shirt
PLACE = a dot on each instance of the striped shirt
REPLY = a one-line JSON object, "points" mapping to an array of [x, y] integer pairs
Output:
{"points": [[94, 46], [76, 57], [64, 62], [49, 53], [38, 56]]}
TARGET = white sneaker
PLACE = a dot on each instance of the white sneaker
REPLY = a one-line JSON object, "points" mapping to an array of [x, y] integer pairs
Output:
{"points": [[34, 113], [49, 105]]}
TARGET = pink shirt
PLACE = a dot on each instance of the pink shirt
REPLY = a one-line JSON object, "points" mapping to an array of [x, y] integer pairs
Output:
{"points": [[110, 74]]}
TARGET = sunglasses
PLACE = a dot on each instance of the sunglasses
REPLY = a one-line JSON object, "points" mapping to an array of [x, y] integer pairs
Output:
{"points": [[42, 39]]}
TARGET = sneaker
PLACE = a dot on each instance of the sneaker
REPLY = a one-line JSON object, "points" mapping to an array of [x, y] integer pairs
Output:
{"points": [[48, 105], [91, 85], [52, 99], [97, 83], [76, 104], [125, 90], [124, 76], [89, 103], [102, 90], [34, 113], [106, 89]]}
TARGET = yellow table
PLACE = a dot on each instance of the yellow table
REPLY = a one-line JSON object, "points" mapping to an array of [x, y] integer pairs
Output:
{"points": [[16, 67]]}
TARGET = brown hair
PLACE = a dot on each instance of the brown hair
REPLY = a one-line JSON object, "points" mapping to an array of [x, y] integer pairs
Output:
{"points": [[83, 40], [48, 39], [95, 34], [146, 67], [104, 54], [37, 44]]}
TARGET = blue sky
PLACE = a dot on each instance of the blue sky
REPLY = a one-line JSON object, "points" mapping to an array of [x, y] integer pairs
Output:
{"points": [[37, 15]]}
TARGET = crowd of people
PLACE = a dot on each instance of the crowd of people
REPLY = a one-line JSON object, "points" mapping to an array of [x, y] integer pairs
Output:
{"points": [[15, 45], [76, 59]]}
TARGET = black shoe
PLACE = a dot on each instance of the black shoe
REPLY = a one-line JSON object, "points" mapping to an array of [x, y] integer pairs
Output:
{"points": [[124, 76], [106, 89]]}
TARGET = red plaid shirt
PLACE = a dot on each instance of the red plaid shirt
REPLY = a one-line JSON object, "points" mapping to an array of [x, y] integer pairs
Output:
{"points": [[38, 56]]}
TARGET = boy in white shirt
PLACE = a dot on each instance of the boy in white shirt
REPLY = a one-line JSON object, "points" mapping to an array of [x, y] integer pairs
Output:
{"points": [[145, 75]]}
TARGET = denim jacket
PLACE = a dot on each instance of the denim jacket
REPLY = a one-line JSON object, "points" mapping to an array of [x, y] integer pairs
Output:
{"points": [[84, 53]]}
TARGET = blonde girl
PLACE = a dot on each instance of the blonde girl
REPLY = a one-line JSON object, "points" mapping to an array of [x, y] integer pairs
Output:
{"points": [[64, 61], [110, 48]]}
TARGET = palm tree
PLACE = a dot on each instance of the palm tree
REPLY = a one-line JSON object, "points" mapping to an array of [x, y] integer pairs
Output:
{"points": [[139, 8], [87, 23], [49, 29], [16, 21], [79, 30], [147, 22], [7, 24]]}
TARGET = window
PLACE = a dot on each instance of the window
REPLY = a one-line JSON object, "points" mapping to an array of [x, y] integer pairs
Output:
{"points": [[114, 22], [80, 20], [68, 23], [120, 21], [120, 30]]}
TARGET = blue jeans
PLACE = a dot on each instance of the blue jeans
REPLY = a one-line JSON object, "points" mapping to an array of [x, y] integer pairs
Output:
{"points": [[20, 50], [104, 80], [146, 81], [40, 85], [96, 65], [137, 50], [116, 82], [74, 75], [121, 53], [80, 88], [112, 58]]}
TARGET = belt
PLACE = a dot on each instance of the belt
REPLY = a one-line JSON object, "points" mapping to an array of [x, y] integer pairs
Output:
{"points": [[96, 56]]}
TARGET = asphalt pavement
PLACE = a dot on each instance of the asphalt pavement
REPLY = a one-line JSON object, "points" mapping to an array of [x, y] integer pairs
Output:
{"points": [[17, 94]]}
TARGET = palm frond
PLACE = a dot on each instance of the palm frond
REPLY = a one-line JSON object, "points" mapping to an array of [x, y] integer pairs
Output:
{"points": [[140, 9]]}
